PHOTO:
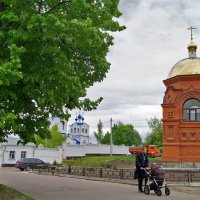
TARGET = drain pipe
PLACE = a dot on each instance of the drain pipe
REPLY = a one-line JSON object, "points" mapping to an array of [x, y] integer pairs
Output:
{"points": [[33, 152], [3, 155]]}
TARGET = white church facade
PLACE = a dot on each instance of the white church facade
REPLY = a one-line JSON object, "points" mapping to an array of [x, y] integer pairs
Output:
{"points": [[78, 132]]}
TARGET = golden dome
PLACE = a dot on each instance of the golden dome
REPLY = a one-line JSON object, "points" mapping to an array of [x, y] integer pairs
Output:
{"points": [[188, 66], [192, 46]]}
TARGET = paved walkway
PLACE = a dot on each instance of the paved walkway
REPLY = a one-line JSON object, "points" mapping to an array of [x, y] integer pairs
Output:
{"points": [[47, 187]]}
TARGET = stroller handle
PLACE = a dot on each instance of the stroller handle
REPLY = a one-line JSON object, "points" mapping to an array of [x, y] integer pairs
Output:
{"points": [[145, 168]]}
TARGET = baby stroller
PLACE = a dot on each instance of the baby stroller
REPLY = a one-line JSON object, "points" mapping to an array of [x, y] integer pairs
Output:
{"points": [[156, 179]]}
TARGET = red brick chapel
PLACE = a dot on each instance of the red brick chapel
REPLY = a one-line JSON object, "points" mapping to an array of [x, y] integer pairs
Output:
{"points": [[181, 110]]}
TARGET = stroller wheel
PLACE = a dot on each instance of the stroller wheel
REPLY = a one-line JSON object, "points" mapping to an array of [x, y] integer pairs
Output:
{"points": [[146, 190], [159, 192], [167, 191]]}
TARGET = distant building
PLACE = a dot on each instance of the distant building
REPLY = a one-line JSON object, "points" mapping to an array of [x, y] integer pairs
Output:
{"points": [[11, 152], [79, 131]]}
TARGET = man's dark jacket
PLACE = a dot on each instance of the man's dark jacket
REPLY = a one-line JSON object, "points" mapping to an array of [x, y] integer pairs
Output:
{"points": [[141, 161]]}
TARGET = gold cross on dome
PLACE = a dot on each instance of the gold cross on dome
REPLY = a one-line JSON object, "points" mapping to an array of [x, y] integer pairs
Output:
{"points": [[191, 34]]}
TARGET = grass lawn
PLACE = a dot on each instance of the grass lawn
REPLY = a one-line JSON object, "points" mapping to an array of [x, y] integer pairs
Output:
{"points": [[104, 161], [7, 193]]}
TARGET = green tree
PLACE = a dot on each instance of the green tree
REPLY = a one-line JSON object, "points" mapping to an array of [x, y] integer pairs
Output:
{"points": [[155, 134], [106, 139], [56, 139], [50, 52], [99, 134], [39, 140], [125, 134]]}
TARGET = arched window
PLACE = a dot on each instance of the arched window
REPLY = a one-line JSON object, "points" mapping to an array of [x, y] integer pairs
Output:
{"points": [[191, 110]]}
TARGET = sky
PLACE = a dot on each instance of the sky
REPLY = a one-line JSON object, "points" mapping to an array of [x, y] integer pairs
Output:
{"points": [[155, 39]]}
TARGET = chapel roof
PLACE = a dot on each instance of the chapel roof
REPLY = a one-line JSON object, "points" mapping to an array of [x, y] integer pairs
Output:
{"points": [[187, 66]]}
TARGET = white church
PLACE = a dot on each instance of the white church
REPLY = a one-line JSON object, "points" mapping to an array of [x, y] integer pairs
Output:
{"points": [[78, 132]]}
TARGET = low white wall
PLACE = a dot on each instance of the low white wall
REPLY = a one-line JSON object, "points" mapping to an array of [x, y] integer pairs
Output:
{"points": [[92, 149], [49, 155], [121, 149], [73, 150]]}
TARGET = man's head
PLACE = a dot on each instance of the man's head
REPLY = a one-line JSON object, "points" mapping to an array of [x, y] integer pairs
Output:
{"points": [[144, 150]]}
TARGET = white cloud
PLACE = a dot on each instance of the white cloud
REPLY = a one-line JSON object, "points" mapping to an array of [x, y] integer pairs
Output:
{"points": [[155, 39]]}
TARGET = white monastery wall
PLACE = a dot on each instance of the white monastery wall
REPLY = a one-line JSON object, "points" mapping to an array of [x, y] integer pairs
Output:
{"points": [[49, 155], [95, 149]]}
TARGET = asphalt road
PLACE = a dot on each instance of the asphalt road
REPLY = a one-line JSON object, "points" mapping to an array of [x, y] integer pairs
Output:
{"points": [[44, 187]]}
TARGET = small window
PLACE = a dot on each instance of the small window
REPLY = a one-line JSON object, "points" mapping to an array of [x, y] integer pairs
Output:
{"points": [[26, 160], [82, 130], [85, 130], [78, 130], [12, 155], [74, 130], [38, 161], [31, 160], [23, 154]]}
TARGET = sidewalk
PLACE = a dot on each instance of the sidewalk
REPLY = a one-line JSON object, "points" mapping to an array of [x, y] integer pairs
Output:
{"points": [[121, 181]]}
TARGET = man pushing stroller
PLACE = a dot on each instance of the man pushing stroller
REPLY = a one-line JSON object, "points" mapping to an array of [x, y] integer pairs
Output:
{"points": [[155, 174]]}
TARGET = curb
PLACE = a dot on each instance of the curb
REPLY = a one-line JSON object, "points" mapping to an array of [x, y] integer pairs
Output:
{"points": [[120, 181]]}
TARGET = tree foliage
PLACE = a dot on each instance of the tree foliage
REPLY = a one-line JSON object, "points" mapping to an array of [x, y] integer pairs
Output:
{"points": [[56, 139], [51, 51], [106, 138], [155, 134], [99, 134], [125, 134]]}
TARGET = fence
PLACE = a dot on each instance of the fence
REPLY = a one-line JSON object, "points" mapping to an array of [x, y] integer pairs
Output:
{"points": [[176, 175], [183, 175]]}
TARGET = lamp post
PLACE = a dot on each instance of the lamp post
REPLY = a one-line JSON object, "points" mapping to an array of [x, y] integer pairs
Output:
{"points": [[111, 147]]}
